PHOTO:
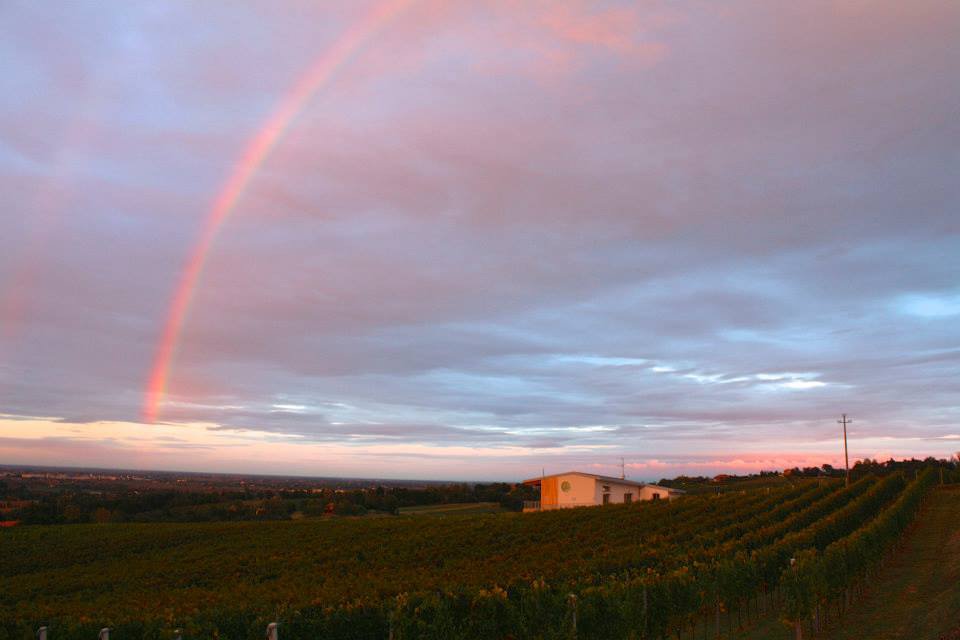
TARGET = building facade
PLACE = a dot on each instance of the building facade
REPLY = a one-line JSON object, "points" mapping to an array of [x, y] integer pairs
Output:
{"points": [[578, 489]]}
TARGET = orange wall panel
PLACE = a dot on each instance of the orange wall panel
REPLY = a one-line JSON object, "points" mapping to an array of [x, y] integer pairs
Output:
{"points": [[548, 491]]}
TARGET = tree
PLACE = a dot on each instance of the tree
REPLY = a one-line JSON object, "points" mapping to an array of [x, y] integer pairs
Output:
{"points": [[71, 513], [101, 515]]}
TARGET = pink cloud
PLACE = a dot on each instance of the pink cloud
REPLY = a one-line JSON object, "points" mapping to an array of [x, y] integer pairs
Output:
{"points": [[619, 30], [749, 463]]}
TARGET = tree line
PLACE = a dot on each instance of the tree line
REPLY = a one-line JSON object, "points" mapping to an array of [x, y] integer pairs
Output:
{"points": [[76, 505]]}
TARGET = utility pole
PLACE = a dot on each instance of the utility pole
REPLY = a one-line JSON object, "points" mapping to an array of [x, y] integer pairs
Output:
{"points": [[623, 469], [846, 458]]}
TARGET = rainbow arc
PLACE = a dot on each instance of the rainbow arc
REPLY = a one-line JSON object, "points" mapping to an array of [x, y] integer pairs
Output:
{"points": [[318, 76]]}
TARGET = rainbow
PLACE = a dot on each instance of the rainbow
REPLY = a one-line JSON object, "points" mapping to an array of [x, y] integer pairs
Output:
{"points": [[256, 151]]}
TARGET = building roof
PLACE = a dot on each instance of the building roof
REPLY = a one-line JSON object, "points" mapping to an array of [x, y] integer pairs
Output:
{"points": [[610, 479]]}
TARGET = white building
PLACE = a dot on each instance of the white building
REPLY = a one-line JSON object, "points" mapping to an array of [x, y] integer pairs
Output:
{"points": [[577, 489]]}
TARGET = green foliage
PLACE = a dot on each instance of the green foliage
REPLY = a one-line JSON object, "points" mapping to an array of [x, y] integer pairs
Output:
{"points": [[822, 572], [637, 571], [83, 502]]}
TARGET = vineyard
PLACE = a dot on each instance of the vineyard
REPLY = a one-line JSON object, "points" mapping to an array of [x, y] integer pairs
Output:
{"points": [[693, 567]]}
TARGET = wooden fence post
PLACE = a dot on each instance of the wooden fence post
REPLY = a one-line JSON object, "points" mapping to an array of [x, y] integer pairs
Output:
{"points": [[272, 633], [572, 599], [104, 634], [798, 625], [42, 633]]}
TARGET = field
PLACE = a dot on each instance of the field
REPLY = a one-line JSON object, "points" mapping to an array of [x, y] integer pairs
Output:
{"points": [[918, 595], [772, 481], [460, 509], [639, 570], [915, 595]]}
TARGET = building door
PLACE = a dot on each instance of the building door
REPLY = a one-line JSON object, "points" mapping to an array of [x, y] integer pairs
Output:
{"points": [[606, 498], [628, 498]]}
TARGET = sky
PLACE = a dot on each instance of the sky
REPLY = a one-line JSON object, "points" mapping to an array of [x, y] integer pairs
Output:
{"points": [[478, 239]]}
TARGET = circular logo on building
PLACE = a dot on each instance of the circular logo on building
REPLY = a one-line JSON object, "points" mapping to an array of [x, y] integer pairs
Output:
{"points": [[565, 486]]}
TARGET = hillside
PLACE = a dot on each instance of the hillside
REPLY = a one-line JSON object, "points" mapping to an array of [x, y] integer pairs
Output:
{"points": [[918, 593], [470, 576]]}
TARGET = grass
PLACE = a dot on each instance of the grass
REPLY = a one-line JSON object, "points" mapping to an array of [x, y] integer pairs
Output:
{"points": [[460, 508]]}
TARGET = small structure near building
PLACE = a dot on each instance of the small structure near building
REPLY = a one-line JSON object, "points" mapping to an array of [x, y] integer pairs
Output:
{"points": [[578, 489]]}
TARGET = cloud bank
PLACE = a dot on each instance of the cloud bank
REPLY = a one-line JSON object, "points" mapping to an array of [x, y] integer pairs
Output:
{"points": [[505, 235]]}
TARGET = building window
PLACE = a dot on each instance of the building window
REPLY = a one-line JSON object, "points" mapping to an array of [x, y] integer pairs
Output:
{"points": [[656, 496], [628, 498], [606, 498]]}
